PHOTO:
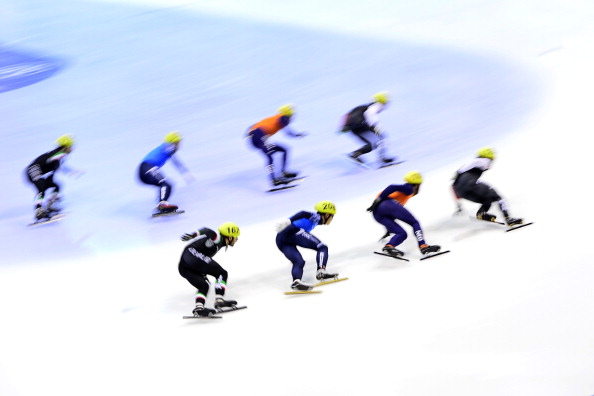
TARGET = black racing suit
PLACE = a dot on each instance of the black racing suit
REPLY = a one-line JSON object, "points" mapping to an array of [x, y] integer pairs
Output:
{"points": [[196, 263], [41, 171], [468, 186]]}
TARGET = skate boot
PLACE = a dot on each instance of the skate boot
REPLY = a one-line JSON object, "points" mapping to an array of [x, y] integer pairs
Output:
{"points": [[485, 216], [426, 249], [511, 221], [392, 251], [279, 181], [290, 175], [53, 209], [300, 286], [355, 158], [387, 161], [41, 213], [166, 207], [220, 302], [52, 205], [323, 274], [200, 310]]}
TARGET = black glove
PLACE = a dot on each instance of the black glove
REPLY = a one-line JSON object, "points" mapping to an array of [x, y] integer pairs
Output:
{"points": [[374, 205], [188, 236], [387, 234]]}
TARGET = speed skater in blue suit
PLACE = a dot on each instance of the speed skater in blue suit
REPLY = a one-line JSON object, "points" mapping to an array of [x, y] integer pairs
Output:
{"points": [[296, 231], [389, 207]]}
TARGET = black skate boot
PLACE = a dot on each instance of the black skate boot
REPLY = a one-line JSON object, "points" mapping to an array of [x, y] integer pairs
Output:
{"points": [[290, 175], [426, 249], [511, 221], [323, 274], [280, 181], [220, 302], [354, 156], [485, 216], [392, 251], [41, 213], [200, 310], [166, 207], [53, 204], [387, 161], [298, 285]]}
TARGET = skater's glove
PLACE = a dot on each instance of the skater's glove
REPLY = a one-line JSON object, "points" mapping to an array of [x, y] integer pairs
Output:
{"points": [[376, 130], [374, 205], [188, 236], [281, 226]]}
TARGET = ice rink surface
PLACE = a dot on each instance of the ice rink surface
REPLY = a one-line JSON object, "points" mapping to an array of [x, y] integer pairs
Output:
{"points": [[92, 304]]}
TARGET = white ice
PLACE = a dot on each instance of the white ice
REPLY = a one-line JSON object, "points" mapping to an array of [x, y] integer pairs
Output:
{"points": [[92, 305]]}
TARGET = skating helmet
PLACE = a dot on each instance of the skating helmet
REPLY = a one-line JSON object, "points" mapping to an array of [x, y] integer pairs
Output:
{"points": [[229, 230], [325, 207], [486, 152], [287, 110], [382, 97], [413, 177], [173, 137], [65, 141]]}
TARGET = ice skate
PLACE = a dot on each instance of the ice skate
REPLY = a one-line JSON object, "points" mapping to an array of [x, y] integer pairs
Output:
{"points": [[280, 181], [53, 204], [427, 249], [166, 207], [290, 175], [41, 213], [355, 158], [53, 209], [392, 251], [485, 216], [387, 161], [298, 285], [512, 221], [323, 274], [200, 310], [220, 302]]}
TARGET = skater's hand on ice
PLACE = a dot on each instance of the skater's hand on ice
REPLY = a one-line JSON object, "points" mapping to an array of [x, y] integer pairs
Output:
{"points": [[188, 236]]}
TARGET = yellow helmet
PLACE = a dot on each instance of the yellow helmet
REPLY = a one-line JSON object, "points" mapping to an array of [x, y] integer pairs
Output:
{"points": [[382, 97], [173, 137], [413, 177], [229, 230], [287, 110], [486, 152], [325, 207], [65, 141]]}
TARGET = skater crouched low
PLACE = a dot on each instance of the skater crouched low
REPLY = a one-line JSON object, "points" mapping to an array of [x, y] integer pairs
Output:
{"points": [[296, 231], [149, 170], [468, 186], [196, 263], [389, 207], [363, 122], [259, 135], [41, 174]]}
